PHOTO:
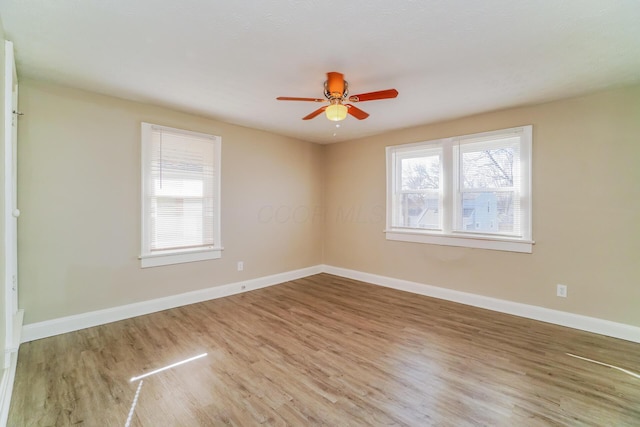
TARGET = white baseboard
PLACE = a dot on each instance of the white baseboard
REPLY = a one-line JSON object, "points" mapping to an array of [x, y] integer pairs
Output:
{"points": [[9, 373], [48, 328], [562, 318], [62, 325]]}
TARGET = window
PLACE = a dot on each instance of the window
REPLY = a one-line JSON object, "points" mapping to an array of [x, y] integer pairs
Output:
{"points": [[180, 196], [472, 190]]}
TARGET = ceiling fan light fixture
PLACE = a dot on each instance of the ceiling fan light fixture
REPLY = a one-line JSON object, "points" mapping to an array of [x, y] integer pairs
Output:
{"points": [[336, 112]]}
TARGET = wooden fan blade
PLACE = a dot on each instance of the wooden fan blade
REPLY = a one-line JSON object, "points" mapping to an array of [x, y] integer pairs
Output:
{"points": [[356, 112], [371, 96], [314, 114], [292, 98], [335, 83]]}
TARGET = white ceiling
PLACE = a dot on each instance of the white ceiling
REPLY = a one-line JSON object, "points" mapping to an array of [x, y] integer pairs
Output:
{"points": [[229, 60]]}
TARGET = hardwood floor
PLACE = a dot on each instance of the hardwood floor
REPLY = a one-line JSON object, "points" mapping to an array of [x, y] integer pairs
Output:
{"points": [[327, 351]]}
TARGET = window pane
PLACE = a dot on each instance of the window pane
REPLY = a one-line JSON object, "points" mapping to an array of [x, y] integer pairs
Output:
{"points": [[420, 173], [491, 168], [490, 212], [419, 210], [177, 223]]}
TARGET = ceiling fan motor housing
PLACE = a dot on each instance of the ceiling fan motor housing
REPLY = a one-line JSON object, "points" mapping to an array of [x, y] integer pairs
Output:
{"points": [[336, 86]]}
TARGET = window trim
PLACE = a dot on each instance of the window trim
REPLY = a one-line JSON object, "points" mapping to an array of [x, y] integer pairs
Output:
{"points": [[448, 235], [178, 256]]}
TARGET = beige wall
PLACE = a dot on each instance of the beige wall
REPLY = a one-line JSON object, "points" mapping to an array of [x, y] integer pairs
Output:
{"points": [[586, 216], [79, 189], [79, 194]]}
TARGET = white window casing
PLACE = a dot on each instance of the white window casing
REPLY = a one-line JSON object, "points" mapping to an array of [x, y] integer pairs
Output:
{"points": [[477, 194], [180, 196]]}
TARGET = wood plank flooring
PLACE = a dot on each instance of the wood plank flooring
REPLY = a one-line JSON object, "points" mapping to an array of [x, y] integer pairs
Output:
{"points": [[327, 351]]}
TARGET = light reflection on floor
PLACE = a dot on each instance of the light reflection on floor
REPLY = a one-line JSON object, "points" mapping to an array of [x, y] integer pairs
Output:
{"points": [[617, 368], [173, 365], [155, 371], [133, 405]]}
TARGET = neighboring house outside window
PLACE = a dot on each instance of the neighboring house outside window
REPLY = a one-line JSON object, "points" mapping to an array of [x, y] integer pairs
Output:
{"points": [[472, 190], [180, 196]]}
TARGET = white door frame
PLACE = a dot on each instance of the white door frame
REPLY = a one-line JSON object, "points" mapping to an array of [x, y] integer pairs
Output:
{"points": [[11, 211]]}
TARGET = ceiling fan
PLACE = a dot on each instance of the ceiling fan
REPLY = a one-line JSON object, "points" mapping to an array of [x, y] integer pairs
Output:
{"points": [[336, 91]]}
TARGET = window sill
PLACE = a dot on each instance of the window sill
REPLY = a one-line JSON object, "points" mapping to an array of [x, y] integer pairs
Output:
{"points": [[179, 257], [476, 242]]}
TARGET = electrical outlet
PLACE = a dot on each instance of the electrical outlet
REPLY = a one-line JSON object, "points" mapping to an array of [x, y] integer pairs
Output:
{"points": [[561, 291], [240, 265]]}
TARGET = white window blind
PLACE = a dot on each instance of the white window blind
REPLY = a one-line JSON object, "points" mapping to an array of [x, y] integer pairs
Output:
{"points": [[180, 191]]}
